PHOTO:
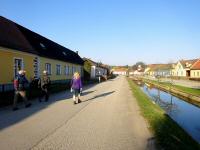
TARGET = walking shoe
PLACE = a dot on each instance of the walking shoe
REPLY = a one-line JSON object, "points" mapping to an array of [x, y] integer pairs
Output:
{"points": [[75, 102], [28, 105], [79, 101], [15, 108]]}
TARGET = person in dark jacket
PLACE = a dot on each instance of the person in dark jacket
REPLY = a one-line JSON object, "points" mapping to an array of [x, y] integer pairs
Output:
{"points": [[44, 84], [20, 89], [76, 87]]}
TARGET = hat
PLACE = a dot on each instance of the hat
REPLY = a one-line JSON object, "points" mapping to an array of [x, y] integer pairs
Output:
{"points": [[45, 72], [21, 72]]}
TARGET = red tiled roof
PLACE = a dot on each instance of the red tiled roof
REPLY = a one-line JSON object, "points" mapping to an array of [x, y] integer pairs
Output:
{"points": [[189, 62], [120, 69], [154, 67], [196, 65]]}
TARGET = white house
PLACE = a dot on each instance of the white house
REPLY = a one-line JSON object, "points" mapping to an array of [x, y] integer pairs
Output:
{"points": [[120, 71], [97, 69]]}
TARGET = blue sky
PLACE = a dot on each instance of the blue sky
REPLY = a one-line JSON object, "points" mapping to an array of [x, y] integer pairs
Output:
{"points": [[115, 32]]}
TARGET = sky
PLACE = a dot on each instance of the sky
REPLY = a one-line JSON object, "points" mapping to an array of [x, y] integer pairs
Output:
{"points": [[114, 32]]}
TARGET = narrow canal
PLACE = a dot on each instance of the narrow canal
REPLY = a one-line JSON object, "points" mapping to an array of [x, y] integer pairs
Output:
{"points": [[185, 114]]}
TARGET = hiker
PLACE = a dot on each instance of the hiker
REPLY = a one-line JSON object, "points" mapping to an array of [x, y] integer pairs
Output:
{"points": [[99, 77], [76, 87], [20, 89], [44, 85]]}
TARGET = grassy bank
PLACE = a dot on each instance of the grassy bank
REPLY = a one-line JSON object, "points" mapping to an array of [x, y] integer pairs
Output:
{"points": [[181, 88], [168, 134]]}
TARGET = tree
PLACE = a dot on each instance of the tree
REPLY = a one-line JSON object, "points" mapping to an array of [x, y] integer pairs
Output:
{"points": [[139, 63], [87, 70]]}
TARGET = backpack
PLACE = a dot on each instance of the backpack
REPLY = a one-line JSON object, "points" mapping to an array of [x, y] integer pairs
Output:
{"points": [[44, 82], [20, 83], [16, 83]]}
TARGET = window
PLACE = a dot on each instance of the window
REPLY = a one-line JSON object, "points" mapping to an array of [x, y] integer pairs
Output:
{"points": [[194, 74], [73, 69], [18, 65], [198, 73], [66, 70], [182, 73], [48, 68], [79, 69], [64, 53], [42, 45], [58, 69], [70, 70]]}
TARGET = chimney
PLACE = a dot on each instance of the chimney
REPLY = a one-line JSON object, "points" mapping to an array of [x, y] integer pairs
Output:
{"points": [[76, 52]]}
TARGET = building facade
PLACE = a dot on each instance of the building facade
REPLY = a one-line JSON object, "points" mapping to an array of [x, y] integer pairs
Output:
{"points": [[162, 70], [195, 70], [120, 71], [21, 48], [97, 69], [182, 68]]}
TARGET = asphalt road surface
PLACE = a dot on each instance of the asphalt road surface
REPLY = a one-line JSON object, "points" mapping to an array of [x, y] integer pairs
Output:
{"points": [[107, 119]]}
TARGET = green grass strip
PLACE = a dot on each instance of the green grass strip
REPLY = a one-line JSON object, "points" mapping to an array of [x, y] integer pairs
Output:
{"points": [[179, 87], [169, 135]]}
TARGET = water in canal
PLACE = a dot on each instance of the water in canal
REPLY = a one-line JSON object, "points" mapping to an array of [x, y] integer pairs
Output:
{"points": [[185, 114]]}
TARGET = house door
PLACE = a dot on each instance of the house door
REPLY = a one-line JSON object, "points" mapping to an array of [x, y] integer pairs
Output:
{"points": [[188, 73]]}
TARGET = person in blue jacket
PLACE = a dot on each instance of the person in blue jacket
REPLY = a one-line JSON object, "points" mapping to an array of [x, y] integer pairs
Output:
{"points": [[20, 85]]}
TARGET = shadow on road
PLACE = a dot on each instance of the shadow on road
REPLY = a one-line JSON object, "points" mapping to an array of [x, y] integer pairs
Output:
{"points": [[86, 93], [111, 80], [100, 95], [9, 117]]}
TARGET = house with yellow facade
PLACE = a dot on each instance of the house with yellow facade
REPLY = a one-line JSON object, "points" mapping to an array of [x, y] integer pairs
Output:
{"points": [[149, 70], [182, 68], [21, 48], [163, 70], [195, 70]]}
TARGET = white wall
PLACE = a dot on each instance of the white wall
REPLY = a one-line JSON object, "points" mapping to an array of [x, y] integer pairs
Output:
{"points": [[93, 72], [96, 71], [119, 72]]}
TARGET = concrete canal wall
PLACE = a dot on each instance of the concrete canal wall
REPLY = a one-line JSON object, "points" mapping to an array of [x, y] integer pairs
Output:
{"points": [[186, 96]]}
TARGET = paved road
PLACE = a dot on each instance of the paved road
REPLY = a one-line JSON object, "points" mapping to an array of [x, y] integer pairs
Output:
{"points": [[186, 83], [108, 119]]}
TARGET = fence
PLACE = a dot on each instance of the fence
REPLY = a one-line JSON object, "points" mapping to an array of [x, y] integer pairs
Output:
{"points": [[6, 87]]}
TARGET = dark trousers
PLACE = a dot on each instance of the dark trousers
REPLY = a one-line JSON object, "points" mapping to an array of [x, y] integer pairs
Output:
{"points": [[44, 92], [23, 95]]}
